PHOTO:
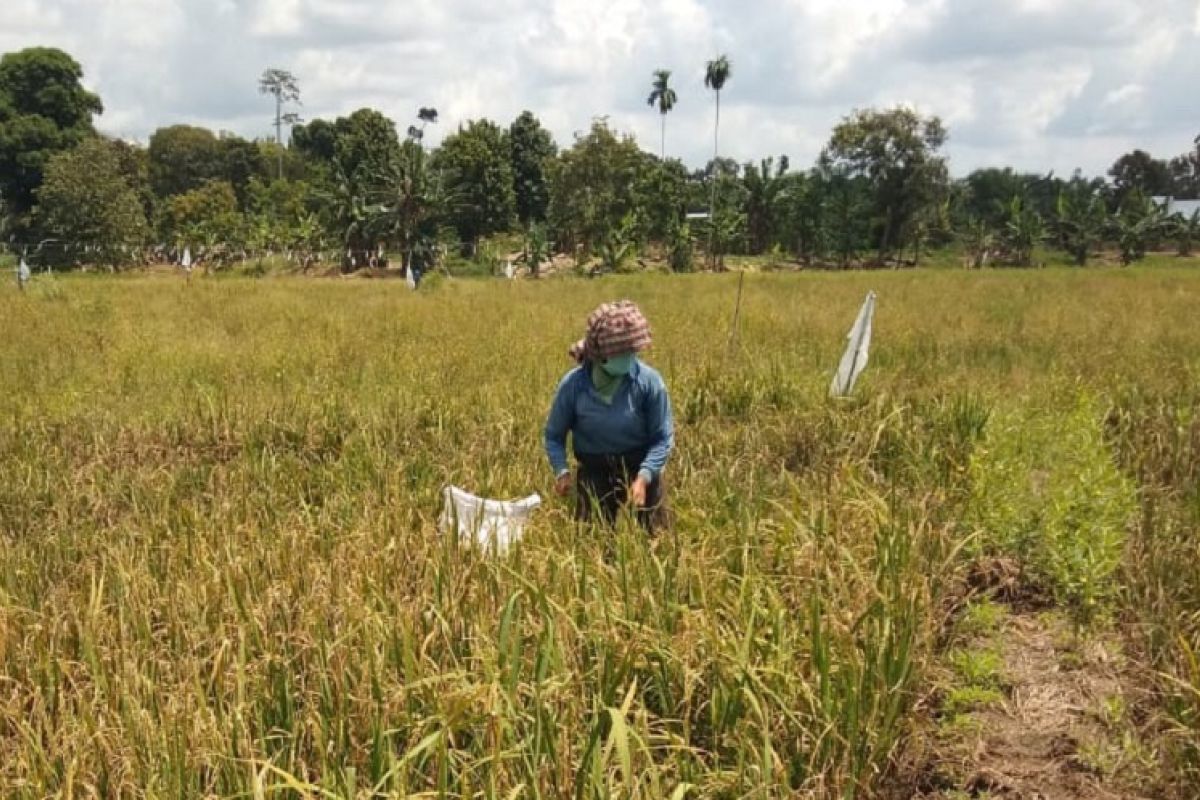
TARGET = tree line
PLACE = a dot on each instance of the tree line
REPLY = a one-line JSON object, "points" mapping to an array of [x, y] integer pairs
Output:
{"points": [[351, 188]]}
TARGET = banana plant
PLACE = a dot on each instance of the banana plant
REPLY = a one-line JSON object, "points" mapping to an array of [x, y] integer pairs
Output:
{"points": [[1080, 218], [1024, 230], [1186, 231]]}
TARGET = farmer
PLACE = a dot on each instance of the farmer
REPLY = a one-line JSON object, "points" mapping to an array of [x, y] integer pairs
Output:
{"points": [[619, 415]]}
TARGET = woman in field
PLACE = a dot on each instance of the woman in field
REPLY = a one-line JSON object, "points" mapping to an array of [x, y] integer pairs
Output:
{"points": [[618, 413]]}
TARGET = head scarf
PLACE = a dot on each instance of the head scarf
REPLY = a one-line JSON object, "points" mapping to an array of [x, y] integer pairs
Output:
{"points": [[613, 329]]}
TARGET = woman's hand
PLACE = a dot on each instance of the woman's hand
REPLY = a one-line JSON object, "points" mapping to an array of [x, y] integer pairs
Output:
{"points": [[637, 492], [562, 486]]}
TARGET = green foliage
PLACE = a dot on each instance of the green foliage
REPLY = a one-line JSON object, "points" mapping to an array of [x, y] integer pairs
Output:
{"points": [[681, 247], [183, 158], [618, 245], [592, 188], [849, 220], [1046, 492], [536, 248], [532, 150], [1024, 230], [44, 110], [279, 217], [896, 151], [407, 208], [1186, 231], [969, 699], [367, 145], [475, 163], [1185, 173], [207, 215], [988, 193], [1136, 226], [981, 618], [317, 140], [1080, 218], [660, 198], [1138, 172], [241, 163], [344, 210], [802, 215], [357, 150], [726, 233], [981, 667], [87, 201], [281, 201], [880, 183], [979, 240], [762, 185]]}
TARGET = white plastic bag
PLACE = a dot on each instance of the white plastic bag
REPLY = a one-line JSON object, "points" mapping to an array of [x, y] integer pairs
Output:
{"points": [[488, 522]]}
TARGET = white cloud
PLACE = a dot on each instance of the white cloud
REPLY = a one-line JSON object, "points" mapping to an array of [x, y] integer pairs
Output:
{"points": [[1040, 84]]}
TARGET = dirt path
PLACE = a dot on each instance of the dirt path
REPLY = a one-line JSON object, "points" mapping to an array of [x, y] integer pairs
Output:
{"points": [[1033, 713]]}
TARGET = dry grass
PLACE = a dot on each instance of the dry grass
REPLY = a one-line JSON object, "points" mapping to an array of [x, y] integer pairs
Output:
{"points": [[222, 575]]}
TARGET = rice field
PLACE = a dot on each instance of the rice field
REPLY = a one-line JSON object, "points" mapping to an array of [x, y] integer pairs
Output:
{"points": [[222, 573]]}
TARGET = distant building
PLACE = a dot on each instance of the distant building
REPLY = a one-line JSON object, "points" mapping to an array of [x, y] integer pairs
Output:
{"points": [[1171, 206]]}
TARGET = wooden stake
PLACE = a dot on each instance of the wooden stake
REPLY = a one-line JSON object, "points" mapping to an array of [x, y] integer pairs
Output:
{"points": [[737, 311]]}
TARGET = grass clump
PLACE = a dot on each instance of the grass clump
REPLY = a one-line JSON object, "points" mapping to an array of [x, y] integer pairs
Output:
{"points": [[982, 667], [1047, 492], [964, 700], [981, 618]]}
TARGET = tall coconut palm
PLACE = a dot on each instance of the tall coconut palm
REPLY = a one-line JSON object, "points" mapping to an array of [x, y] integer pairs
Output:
{"points": [[426, 115], [716, 74], [664, 97]]}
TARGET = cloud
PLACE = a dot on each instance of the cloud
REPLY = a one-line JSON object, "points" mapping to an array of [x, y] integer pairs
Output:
{"points": [[1039, 84]]}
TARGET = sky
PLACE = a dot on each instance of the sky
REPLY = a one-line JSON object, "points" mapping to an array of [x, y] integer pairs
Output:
{"points": [[1039, 85]]}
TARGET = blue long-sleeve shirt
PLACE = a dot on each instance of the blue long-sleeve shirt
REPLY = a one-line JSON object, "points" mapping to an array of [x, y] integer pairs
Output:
{"points": [[639, 418]]}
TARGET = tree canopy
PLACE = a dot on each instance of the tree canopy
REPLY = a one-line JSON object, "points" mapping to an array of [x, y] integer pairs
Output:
{"points": [[532, 149], [897, 152], [44, 110], [87, 203], [880, 192], [478, 171]]}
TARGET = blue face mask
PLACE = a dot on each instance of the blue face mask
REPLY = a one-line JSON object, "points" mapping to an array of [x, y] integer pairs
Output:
{"points": [[619, 365]]}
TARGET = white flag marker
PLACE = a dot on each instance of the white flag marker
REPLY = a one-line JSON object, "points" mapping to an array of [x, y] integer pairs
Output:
{"points": [[23, 273], [854, 361], [409, 279], [186, 263]]}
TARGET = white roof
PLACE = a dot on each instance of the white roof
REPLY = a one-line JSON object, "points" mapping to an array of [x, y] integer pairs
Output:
{"points": [[1172, 206]]}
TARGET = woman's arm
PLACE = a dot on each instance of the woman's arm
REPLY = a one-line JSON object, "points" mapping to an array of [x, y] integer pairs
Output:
{"points": [[661, 427], [558, 424]]}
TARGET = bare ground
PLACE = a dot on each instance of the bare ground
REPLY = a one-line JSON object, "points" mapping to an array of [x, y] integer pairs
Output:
{"points": [[1061, 732]]}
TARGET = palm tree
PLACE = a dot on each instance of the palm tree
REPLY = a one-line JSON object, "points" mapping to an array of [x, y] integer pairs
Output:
{"points": [[664, 97], [715, 76], [426, 115]]}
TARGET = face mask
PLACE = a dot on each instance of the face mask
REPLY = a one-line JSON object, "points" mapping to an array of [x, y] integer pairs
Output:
{"points": [[618, 365]]}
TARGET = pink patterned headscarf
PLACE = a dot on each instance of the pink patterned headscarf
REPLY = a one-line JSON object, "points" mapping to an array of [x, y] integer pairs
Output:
{"points": [[613, 329]]}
